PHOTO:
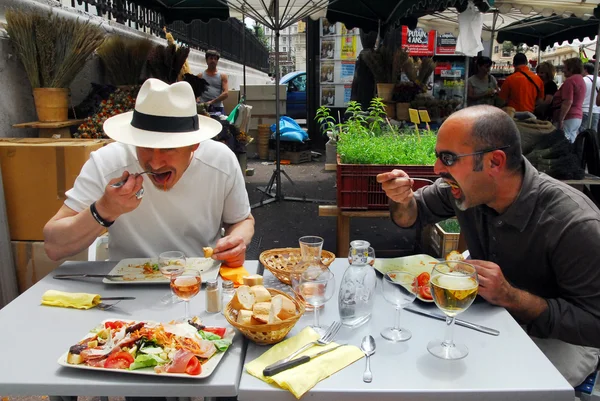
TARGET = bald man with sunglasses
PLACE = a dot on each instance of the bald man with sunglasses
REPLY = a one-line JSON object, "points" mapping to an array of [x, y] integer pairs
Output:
{"points": [[533, 239]]}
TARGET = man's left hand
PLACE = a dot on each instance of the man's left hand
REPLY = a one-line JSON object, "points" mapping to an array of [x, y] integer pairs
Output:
{"points": [[231, 250], [493, 287]]}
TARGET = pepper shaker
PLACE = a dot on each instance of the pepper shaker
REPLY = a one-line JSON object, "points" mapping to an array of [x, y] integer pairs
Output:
{"points": [[213, 299]]}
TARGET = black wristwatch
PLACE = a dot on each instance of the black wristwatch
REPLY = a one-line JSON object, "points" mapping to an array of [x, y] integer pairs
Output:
{"points": [[99, 219]]}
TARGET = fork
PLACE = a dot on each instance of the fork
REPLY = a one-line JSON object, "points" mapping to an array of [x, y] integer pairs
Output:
{"points": [[325, 339], [104, 306], [443, 184], [122, 182]]}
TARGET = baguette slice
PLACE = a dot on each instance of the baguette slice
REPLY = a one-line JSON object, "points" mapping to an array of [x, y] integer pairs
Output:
{"points": [[283, 308], [261, 311], [208, 251], [244, 317], [74, 359], [243, 298], [255, 279], [261, 294]]}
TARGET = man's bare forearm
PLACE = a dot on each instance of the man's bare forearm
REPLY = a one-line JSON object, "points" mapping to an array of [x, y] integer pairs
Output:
{"points": [[244, 229], [404, 215], [524, 306], [70, 235]]}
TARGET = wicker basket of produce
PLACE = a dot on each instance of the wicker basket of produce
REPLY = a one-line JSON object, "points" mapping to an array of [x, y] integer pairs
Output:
{"points": [[282, 261], [264, 316]]}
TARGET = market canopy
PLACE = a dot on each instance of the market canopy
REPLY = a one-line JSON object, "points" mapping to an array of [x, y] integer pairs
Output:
{"points": [[546, 31], [187, 10]]}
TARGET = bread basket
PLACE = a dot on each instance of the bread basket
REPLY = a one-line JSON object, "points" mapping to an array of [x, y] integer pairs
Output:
{"points": [[281, 261], [265, 333]]}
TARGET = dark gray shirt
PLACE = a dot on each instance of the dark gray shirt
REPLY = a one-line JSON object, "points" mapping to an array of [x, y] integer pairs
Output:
{"points": [[547, 243]]}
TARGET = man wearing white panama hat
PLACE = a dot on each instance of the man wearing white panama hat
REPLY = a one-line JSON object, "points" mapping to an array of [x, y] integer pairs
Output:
{"points": [[192, 187]]}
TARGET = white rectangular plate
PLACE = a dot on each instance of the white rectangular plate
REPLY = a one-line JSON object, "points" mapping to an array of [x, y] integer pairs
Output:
{"points": [[207, 369], [132, 274], [414, 264]]}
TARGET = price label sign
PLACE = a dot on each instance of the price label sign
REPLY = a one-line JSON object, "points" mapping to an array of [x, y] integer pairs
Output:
{"points": [[451, 73]]}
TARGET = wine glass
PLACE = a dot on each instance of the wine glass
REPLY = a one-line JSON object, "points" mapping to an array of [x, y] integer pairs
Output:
{"points": [[311, 247], [317, 287], [170, 264], [186, 286], [453, 287], [398, 289]]}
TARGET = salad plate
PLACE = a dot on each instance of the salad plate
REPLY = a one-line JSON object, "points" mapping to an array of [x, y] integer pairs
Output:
{"points": [[414, 264], [107, 346], [145, 271]]}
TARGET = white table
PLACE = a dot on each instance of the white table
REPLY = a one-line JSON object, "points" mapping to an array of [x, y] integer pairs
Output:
{"points": [[33, 337], [507, 367]]}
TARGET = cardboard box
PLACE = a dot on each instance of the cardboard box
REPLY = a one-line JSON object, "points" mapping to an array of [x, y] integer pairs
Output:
{"points": [[232, 100], [32, 264], [263, 92], [36, 173]]}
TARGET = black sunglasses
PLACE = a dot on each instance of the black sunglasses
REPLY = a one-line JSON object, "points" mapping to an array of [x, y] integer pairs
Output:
{"points": [[448, 158]]}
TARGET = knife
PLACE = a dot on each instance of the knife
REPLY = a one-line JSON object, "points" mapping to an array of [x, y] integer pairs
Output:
{"points": [[280, 367], [116, 298], [77, 275], [459, 322]]}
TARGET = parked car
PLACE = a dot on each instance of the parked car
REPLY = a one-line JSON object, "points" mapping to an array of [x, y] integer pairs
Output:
{"points": [[296, 94]]}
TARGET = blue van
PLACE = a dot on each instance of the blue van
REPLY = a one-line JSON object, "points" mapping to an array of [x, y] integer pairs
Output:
{"points": [[296, 94]]}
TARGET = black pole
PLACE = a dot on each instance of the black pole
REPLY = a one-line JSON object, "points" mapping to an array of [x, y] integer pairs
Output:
{"points": [[244, 53], [312, 82], [277, 111]]}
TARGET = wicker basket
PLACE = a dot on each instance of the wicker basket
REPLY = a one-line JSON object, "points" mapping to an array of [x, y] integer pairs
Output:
{"points": [[281, 261], [265, 333]]}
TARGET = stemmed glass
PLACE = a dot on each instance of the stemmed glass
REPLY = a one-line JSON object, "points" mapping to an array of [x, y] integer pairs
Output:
{"points": [[186, 286], [171, 264], [310, 248], [398, 290], [317, 287], [453, 287]]}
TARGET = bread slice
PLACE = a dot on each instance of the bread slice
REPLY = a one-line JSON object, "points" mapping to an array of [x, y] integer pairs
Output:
{"points": [[261, 311], [208, 251], [244, 317], [255, 279], [282, 307], [243, 298], [261, 294], [74, 359]]}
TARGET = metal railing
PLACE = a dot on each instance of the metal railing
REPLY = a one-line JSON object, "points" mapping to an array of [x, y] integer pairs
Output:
{"points": [[223, 36]]}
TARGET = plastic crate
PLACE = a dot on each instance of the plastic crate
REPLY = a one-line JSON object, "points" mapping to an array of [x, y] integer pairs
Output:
{"points": [[358, 189], [289, 146], [442, 242]]}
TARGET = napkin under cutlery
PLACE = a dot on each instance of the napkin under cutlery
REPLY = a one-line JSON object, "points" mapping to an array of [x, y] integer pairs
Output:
{"points": [[78, 300]]}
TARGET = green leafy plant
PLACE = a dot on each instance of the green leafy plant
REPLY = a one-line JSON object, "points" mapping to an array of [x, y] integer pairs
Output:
{"points": [[450, 226]]}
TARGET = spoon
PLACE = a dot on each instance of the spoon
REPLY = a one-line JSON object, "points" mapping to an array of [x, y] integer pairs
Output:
{"points": [[368, 347], [121, 183]]}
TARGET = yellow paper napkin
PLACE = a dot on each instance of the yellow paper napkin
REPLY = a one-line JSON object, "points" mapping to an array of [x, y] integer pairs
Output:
{"points": [[78, 300], [300, 379], [235, 274]]}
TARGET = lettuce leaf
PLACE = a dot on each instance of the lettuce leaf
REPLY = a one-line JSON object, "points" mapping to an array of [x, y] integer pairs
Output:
{"points": [[146, 361], [208, 336], [222, 345]]}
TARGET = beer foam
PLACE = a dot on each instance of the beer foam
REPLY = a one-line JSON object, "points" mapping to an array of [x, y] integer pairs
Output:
{"points": [[455, 281]]}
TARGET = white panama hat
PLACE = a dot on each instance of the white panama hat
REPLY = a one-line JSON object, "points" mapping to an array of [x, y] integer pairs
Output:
{"points": [[165, 116]]}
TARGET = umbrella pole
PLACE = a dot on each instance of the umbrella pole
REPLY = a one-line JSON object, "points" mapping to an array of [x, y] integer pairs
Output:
{"points": [[493, 32], [539, 51], [244, 55], [277, 110], [593, 92], [466, 90]]}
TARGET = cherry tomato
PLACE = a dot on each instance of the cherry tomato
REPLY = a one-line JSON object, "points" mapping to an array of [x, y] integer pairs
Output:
{"points": [[194, 367], [119, 360], [425, 292], [114, 325], [220, 331], [423, 279]]}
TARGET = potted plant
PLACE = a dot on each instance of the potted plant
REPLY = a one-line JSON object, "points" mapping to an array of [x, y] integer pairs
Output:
{"points": [[444, 236], [379, 62], [412, 77], [328, 125], [369, 145], [53, 50]]}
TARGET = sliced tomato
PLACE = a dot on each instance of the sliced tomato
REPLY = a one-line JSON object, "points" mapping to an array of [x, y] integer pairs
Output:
{"points": [[220, 331], [114, 325], [423, 279], [425, 292], [194, 367], [119, 360]]}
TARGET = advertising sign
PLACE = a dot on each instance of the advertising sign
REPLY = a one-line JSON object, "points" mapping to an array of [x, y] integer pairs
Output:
{"points": [[418, 41], [446, 44]]}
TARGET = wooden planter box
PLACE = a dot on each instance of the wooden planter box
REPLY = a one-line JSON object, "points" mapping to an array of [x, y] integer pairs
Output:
{"points": [[358, 189], [442, 242]]}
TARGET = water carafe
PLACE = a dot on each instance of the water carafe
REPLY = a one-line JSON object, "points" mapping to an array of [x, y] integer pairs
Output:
{"points": [[357, 287]]}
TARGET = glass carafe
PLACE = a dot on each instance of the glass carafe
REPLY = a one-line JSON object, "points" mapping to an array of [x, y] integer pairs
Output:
{"points": [[357, 287], [310, 249]]}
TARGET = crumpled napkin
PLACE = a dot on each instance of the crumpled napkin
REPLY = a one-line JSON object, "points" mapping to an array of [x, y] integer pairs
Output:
{"points": [[78, 300], [300, 379], [235, 274]]}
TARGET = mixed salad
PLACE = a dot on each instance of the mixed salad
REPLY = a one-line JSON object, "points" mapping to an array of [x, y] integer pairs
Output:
{"points": [[167, 347]]}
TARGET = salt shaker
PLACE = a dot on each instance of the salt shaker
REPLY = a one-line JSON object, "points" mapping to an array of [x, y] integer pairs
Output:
{"points": [[213, 300], [227, 293]]}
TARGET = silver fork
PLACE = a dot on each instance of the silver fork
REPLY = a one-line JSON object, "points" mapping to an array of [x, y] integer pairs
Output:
{"points": [[105, 306], [122, 182], [325, 339], [443, 184]]}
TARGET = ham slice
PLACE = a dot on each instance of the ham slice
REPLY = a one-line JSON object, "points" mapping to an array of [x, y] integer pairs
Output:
{"points": [[180, 361]]}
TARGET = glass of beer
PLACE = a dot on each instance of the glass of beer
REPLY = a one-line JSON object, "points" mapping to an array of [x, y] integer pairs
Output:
{"points": [[170, 264], [453, 287], [186, 286]]}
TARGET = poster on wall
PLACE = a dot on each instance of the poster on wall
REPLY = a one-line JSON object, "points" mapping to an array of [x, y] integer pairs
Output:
{"points": [[347, 94], [418, 41], [446, 44], [328, 95], [327, 48], [327, 28], [348, 46], [327, 71], [347, 71]]}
